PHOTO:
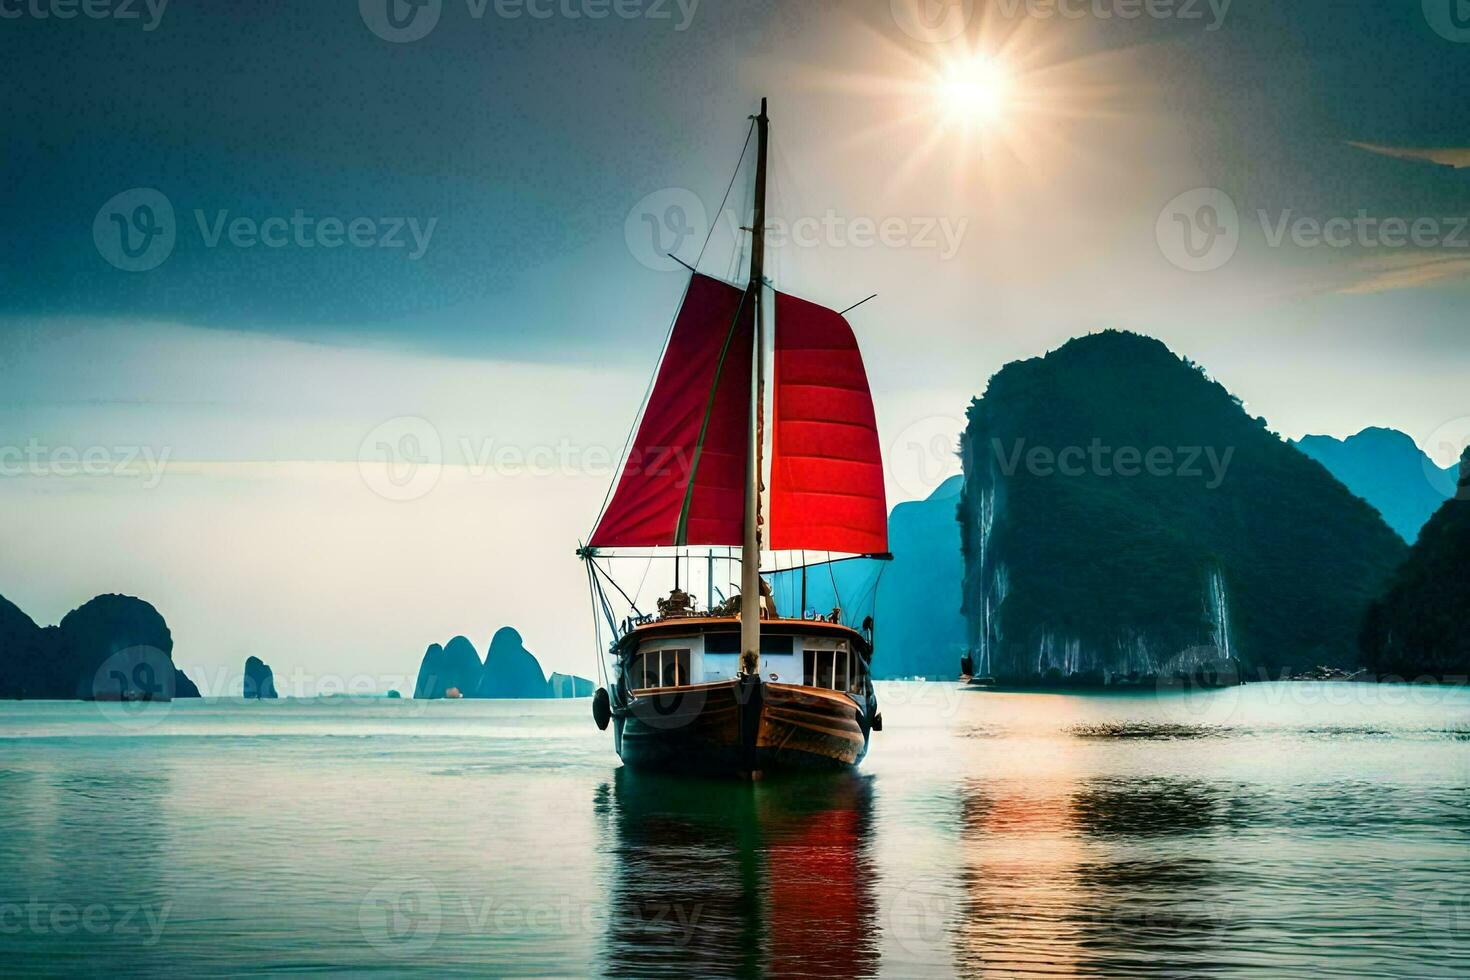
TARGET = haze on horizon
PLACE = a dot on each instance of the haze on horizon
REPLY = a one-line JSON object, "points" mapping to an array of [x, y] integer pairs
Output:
{"points": [[524, 165]]}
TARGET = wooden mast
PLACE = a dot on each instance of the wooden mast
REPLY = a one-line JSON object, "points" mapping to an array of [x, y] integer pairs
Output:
{"points": [[750, 551]]}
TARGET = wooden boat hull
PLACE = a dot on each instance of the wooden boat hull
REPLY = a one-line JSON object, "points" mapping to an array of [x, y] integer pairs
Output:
{"points": [[741, 726]]}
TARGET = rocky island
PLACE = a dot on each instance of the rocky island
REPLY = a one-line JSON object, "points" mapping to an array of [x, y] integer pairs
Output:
{"points": [[509, 670], [1123, 517], [259, 683], [114, 647]]}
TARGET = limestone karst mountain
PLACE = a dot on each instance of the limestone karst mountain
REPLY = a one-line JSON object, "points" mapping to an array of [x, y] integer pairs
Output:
{"points": [[1386, 468], [113, 647], [1122, 513], [260, 682], [509, 670]]}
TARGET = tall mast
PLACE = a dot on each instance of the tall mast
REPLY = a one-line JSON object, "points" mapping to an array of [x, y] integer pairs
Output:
{"points": [[750, 551]]}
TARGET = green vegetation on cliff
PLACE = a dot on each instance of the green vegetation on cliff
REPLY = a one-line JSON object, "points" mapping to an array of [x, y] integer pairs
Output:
{"points": [[1121, 509]]}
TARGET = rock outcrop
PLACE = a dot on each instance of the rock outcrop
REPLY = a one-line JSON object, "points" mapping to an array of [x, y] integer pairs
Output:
{"points": [[260, 683], [455, 666], [22, 667], [461, 666], [569, 686], [511, 671], [430, 683], [508, 671], [114, 647]]}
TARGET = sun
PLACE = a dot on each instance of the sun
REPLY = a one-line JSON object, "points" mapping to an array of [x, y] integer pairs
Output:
{"points": [[973, 92], [1010, 104]]}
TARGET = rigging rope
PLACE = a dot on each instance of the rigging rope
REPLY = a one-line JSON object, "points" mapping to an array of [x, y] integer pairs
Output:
{"points": [[832, 575], [639, 591], [728, 187], [598, 598]]}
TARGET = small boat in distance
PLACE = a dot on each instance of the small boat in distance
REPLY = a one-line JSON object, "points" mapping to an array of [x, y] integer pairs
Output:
{"points": [[736, 688]]}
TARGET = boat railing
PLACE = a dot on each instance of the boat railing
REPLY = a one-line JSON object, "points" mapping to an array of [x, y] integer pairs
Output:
{"points": [[633, 622]]}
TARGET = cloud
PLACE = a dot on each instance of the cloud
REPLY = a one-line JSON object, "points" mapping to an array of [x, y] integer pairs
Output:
{"points": [[1447, 156], [1406, 272]]}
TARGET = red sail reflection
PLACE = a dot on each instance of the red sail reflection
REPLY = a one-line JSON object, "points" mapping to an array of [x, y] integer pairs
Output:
{"points": [[820, 897], [720, 878]]}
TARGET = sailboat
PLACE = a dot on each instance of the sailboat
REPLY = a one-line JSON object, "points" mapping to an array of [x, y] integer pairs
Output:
{"points": [[736, 688]]}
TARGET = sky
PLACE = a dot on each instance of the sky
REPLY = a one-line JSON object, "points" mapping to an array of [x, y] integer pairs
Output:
{"points": [[257, 257]]}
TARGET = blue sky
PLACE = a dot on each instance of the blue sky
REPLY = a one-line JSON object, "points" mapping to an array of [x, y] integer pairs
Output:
{"points": [[523, 314]]}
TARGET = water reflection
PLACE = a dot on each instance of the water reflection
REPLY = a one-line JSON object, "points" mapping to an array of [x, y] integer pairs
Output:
{"points": [[1082, 838], [1066, 876], [1147, 807], [730, 879], [85, 862]]}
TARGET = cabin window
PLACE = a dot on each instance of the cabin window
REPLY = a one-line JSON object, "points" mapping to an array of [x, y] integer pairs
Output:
{"points": [[722, 643], [828, 668], [659, 668], [771, 645]]}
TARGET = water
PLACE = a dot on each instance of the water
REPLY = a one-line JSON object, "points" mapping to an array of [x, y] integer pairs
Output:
{"points": [[1273, 830]]}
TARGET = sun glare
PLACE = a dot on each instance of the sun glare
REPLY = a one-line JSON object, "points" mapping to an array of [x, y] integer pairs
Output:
{"points": [[1009, 104], [973, 91]]}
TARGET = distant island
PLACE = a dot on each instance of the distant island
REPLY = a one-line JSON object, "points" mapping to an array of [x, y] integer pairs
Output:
{"points": [[509, 670], [914, 599], [259, 682], [113, 648], [1124, 518], [1386, 468]]}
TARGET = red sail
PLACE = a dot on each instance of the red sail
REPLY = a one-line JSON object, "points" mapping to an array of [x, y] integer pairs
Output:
{"points": [[826, 468], [696, 423]]}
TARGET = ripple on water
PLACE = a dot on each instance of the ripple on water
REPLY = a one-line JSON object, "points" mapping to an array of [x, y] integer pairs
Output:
{"points": [[1148, 731]]}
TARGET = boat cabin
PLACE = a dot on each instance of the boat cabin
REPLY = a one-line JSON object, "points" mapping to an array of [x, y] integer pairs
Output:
{"points": [[704, 650]]}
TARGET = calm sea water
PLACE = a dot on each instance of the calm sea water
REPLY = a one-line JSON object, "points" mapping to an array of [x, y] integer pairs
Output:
{"points": [[1273, 830]]}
